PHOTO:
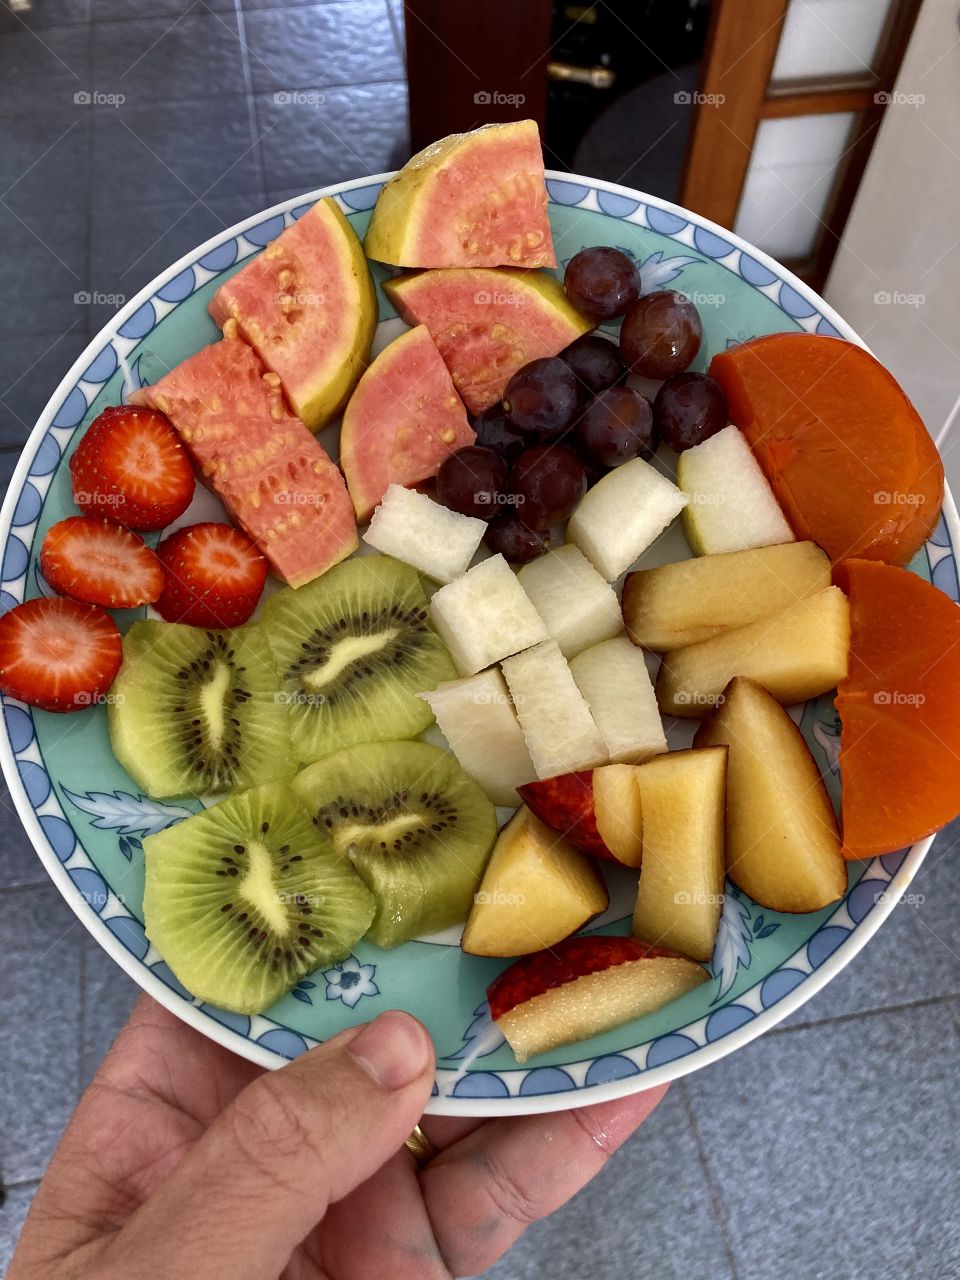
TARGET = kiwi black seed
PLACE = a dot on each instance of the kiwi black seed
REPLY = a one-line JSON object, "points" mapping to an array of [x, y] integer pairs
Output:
{"points": [[196, 711], [245, 898], [353, 649], [412, 823]]}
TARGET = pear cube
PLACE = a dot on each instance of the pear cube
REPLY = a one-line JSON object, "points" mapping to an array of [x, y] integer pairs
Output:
{"points": [[413, 528], [622, 515], [560, 731], [577, 605], [486, 615], [613, 678]]}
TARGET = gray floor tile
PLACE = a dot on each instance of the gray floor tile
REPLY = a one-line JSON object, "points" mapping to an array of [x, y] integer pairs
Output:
{"points": [[43, 266], [129, 247], [354, 131], [19, 863], [164, 60], [31, 368], [914, 956], [836, 1148], [141, 155], [12, 1215], [108, 996], [102, 11], [46, 13], [44, 156], [39, 1020], [322, 44], [43, 70], [648, 1214]]}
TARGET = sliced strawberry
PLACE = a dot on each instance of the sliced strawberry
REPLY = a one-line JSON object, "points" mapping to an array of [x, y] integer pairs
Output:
{"points": [[214, 576], [96, 560], [130, 465], [58, 654]]}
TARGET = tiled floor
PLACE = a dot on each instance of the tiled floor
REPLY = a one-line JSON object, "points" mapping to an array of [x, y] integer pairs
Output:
{"points": [[827, 1149]]}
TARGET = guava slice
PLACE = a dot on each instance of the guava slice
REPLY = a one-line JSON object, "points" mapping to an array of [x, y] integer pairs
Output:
{"points": [[472, 199], [488, 323], [271, 474], [402, 421], [306, 304]]}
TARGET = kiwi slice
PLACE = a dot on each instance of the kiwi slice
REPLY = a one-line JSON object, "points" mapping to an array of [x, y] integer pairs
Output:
{"points": [[245, 898], [353, 649], [196, 712], [412, 823]]}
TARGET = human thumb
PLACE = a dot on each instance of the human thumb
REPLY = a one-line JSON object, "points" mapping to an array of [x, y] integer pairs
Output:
{"points": [[290, 1144]]}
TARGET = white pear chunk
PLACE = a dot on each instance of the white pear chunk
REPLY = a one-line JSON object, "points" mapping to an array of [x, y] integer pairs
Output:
{"points": [[578, 606], [413, 528], [477, 718], [613, 678], [730, 505], [622, 515], [561, 734], [486, 615]]}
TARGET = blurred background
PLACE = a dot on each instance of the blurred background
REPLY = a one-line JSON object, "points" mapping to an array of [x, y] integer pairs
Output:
{"points": [[825, 131]]}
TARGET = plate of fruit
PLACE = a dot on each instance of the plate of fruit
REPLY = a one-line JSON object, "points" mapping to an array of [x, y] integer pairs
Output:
{"points": [[462, 591]]}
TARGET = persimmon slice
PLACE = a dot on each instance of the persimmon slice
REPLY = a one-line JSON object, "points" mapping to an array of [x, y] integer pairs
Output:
{"points": [[846, 453], [899, 709]]}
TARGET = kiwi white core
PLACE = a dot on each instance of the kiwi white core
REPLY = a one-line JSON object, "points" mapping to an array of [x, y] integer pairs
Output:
{"points": [[212, 699], [347, 651], [259, 889]]}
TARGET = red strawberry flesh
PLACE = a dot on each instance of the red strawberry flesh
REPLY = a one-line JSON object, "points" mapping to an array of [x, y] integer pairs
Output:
{"points": [[99, 561], [58, 654], [214, 576]]}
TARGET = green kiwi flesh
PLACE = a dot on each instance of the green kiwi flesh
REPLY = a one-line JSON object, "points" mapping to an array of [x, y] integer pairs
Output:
{"points": [[412, 823], [245, 898], [353, 649], [196, 712]]}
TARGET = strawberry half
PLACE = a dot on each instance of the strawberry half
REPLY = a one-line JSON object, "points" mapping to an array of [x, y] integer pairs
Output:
{"points": [[131, 466], [214, 576], [96, 560], [58, 654]]}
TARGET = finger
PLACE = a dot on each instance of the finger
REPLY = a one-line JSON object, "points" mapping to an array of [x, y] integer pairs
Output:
{"points": [[401, 1245], [293, 1141], [484, 1191]]}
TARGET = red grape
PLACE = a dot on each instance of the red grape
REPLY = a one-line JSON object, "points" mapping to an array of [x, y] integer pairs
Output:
{"points": [[617, 425], [689, 408], [601, 282], [542, 397], [475, 482], [547, 481], [596, 362], [509, 536], [496, 433], [660, 334]]}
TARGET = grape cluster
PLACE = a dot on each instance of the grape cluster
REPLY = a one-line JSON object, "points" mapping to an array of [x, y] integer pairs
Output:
{"points": [[566, 420]]}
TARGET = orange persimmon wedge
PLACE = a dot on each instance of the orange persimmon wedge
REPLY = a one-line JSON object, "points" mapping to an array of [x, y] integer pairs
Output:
{"points": [[846, 453], [899, 709]]}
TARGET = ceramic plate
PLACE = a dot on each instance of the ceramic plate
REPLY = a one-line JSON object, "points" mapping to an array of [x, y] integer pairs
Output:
{"points": [[87, 818]]}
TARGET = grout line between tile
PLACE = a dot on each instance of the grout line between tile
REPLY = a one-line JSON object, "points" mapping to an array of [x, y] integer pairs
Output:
{"points": [[81, 1017], [856, 1014], [717, 1202]]}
